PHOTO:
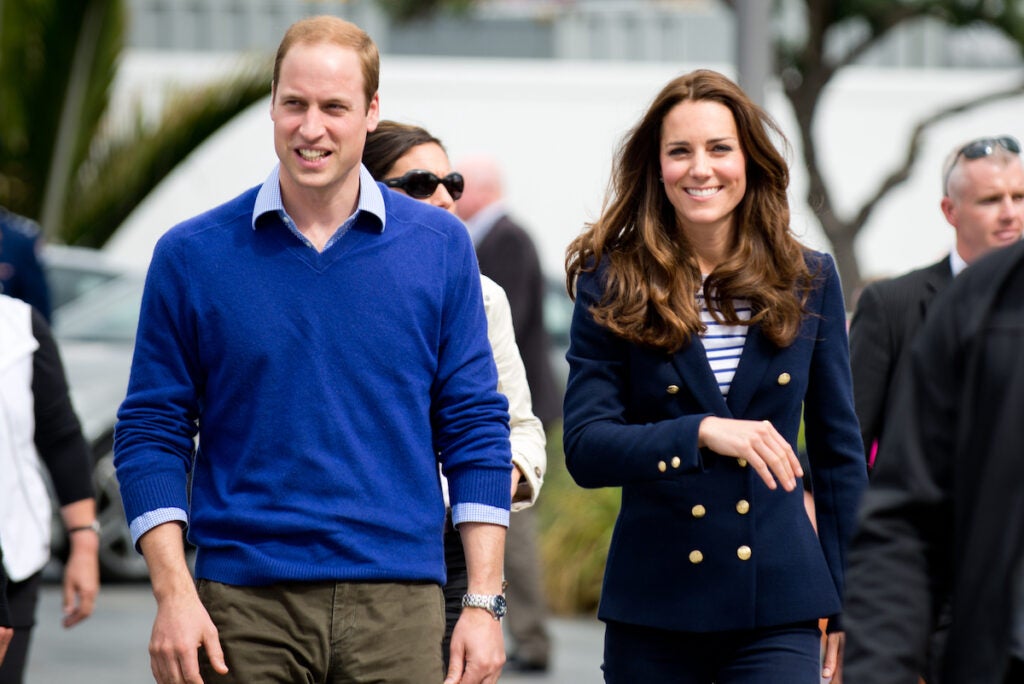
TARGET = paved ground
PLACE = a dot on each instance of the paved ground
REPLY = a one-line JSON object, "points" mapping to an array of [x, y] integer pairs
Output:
{"points": [[110, 647]]}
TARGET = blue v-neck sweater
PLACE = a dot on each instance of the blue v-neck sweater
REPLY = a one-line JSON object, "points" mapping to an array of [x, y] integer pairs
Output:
{"points": [[324, 387]]}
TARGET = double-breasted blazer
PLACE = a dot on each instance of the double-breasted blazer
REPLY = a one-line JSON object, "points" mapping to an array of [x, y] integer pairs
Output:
{"points": [[701, 543]]}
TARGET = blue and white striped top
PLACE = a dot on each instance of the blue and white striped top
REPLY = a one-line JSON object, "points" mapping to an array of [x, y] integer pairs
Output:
{"points": [[724, 343]]}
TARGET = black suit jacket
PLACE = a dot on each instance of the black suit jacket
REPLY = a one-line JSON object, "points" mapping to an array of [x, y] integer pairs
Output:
{"points": [[508, 257], [944, 515], [889, 314]]}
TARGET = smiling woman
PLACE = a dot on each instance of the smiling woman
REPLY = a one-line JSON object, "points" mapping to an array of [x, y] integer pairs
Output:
{"points": [[704, 172], [413, 162], [702, 329]]}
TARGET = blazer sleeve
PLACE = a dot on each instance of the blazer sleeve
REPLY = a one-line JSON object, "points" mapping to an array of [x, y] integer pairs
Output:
{"points": [[606, 445], [834, 446], [872, 361]]}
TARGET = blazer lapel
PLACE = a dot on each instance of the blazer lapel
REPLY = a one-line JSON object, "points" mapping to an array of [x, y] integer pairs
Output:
{"points": [[757, 354], [692, 364], [938, 276]]}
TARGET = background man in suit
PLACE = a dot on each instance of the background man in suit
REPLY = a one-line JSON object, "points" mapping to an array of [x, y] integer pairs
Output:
{"points": [[508, 256], [983, 199], [941, 522]]}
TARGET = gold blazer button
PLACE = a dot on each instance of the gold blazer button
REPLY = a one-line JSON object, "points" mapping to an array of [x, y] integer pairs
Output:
{"points": [[784, 378], [696, 557], [672, 389], [743, 553]]}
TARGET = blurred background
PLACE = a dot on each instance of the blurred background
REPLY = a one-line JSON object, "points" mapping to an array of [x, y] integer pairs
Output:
{"points": [[119, 118]]}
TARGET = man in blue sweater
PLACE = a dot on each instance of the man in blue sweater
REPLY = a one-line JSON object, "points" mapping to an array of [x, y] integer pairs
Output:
{"points": [[326, 339]]}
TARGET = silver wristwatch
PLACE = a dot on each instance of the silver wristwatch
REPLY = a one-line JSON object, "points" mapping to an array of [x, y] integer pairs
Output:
{"points": [[492, 603]]}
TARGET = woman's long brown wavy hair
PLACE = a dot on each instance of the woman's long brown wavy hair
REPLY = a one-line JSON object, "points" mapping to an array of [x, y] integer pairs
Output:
{"points": [[652, 273]]}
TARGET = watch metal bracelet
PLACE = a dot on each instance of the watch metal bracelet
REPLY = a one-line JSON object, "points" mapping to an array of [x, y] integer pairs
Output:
{"points": [[492, 603]]}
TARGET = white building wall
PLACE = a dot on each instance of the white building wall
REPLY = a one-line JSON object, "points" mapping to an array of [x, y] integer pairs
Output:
{"points": [[555, 126]]}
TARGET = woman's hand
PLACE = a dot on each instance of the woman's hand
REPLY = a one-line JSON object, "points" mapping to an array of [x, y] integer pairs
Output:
{"points": [[757, 442], [516, 477], [832, 667]]}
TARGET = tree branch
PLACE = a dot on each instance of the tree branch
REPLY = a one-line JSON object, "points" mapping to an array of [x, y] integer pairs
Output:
{"points": [[901, 174]]}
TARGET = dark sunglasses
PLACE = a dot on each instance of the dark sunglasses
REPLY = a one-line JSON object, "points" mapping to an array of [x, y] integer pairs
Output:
{"points": [[983, 147], [422, 184]]}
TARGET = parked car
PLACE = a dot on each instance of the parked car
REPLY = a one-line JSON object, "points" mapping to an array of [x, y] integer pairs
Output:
{"points": [[96, 310], [73, 271]]}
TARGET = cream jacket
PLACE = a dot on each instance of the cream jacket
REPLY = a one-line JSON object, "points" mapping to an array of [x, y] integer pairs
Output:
{"points": [[526, 430]]}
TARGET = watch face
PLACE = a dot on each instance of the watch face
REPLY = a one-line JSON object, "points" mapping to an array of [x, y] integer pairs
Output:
{"points": [[499, 606]]}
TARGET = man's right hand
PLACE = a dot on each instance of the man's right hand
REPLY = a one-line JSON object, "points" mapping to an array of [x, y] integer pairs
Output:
{"points": [[182, 625]]}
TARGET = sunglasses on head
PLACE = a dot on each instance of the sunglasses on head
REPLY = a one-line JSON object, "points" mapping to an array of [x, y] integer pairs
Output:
{"points": [[983, 147], [423, 184]]}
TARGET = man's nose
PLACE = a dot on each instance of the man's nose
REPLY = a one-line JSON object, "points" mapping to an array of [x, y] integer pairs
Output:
{"points": [[312, 123]]}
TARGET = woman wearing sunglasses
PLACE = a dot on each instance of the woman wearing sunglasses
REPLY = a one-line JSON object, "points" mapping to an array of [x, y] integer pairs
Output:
{"points": [[702, 331], [409, 160]]}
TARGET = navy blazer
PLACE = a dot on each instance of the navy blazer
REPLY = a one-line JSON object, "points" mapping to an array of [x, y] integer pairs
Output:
{"points": [[701, 544]]}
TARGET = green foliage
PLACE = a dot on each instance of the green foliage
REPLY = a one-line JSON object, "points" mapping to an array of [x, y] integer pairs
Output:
{"points": [[89, 175], [38, 39], [575, 532], [126, 165]]}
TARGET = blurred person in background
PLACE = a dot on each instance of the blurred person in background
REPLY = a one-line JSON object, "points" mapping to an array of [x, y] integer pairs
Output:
{"points": [[41, 431], [702, 330], [942, 523], [507, 255], [983, 199], [410, 160], [21, 274]]}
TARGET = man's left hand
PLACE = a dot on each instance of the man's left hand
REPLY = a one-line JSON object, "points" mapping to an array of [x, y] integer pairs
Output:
{"points": [[477, 650]]}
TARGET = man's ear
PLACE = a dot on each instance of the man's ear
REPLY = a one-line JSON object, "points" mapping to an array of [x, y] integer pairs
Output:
{"points": [[373, 113], [949, 210]]}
